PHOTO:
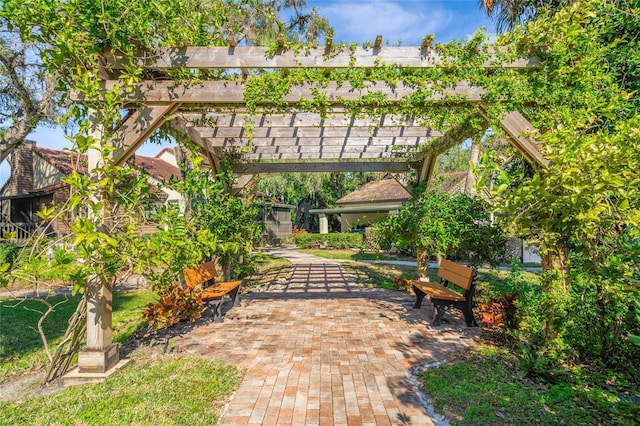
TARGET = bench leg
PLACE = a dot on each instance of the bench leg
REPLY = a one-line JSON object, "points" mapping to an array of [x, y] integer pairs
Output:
{"points": [[235, 296], [440, 310], [468, 317], [216, 306], [419, 297]]}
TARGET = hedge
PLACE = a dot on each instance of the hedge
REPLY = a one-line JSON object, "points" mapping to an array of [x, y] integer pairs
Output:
{"points": [[329, 241]]}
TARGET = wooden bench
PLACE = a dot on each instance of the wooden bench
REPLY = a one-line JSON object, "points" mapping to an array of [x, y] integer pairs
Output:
{"points": [[443, 298], [213, 292]]}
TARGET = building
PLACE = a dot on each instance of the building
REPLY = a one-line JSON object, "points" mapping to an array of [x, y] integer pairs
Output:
{"points": [[36, 181], [373, 201], [277, 220]]}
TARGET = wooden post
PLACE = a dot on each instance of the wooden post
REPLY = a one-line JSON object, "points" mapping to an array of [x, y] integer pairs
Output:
{"points": [[100, 358], [100, 354]]}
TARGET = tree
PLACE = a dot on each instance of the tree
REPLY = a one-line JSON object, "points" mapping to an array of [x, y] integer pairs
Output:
{"points": [[321, 190], [585, 206], [260, 23], [27, 91], [442, 225], [509, 13], [74, 35]]}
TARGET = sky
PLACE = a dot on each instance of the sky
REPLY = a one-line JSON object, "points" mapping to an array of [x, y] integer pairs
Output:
{"points": [[397, 21]]}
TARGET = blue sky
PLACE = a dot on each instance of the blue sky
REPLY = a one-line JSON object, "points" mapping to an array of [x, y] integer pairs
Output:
{"points": [[402, 20], [405, 21]]}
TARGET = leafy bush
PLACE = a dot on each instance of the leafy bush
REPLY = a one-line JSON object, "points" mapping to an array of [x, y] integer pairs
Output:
{"points": [[174, 305], [8, 252], [437, 223], [329, 241]]}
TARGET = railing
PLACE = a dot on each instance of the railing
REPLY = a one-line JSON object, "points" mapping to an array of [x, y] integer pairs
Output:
{"points": [[22, 230]]}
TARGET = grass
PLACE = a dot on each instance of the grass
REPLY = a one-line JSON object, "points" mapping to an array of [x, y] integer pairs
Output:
{"points": [[356, 256], [268, 269], [487, 388], [377, 275], [21, 348], [173, 392]]}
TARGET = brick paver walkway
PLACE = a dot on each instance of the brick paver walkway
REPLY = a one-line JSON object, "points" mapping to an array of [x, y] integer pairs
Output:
{"points": [[324, 350]]}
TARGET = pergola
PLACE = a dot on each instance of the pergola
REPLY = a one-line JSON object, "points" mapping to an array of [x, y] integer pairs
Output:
{"points": [[215, 116]]}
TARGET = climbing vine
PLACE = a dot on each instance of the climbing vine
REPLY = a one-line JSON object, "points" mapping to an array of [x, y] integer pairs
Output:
{"points": [[581, 97]]}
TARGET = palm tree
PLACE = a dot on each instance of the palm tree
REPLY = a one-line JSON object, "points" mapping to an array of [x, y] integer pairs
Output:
{"points": [[509, 13]]}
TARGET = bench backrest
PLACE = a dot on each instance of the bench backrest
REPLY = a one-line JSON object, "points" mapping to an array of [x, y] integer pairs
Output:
{"points": [[199, 274], [459, 275]]}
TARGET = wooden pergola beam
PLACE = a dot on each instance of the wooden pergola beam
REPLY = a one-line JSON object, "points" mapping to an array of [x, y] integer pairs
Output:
{"points": [[426, 169], [323, 149], [300, 120], [451, 138], [212, 153], [137, 128], [241, 182], [322, 167], [222, 133], [320, 156], [278, 141], [229, 93], [316, 57], [520, 134]]}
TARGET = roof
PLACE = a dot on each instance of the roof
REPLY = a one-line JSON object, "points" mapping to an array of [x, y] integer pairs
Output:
{"points": [[159, 169], [66, 162], [389, 190], [449, 182], [378, 191]]}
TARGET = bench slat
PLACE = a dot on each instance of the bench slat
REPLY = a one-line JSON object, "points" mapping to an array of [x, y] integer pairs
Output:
{"points": [[438, 291], [219, 289], [457, 274], [199, 274]]}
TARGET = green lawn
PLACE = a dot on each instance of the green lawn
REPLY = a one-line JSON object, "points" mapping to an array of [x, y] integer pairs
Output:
{"points": [[487, 388], [21, 348], [182, 391], [353, 255]]}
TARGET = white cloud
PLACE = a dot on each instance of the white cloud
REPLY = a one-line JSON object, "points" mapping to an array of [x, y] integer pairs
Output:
{"points": [[405, 21]]}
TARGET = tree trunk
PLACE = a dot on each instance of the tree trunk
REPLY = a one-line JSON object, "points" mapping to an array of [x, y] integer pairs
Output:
{"points": [[226, 270], [422, 264], [555, 275]]}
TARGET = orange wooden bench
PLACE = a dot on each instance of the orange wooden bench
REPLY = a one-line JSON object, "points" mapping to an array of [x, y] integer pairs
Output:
{"points": [[212, 292], [443, 298]]}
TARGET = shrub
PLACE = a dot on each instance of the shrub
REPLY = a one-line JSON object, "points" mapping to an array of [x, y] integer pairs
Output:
{"points": [[8, 253], [174, 305], [329, 241]]}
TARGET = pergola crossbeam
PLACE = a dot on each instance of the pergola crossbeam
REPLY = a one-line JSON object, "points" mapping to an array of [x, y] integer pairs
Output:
{"points": [[322, 167], [315, 142], [300, 120], [224, 133], [243, 57], [241, 182], [230, 93], [322, 156]]}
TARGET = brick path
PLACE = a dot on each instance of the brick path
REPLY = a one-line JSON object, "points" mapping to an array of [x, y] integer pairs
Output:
{"points": [[324, 350]]}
